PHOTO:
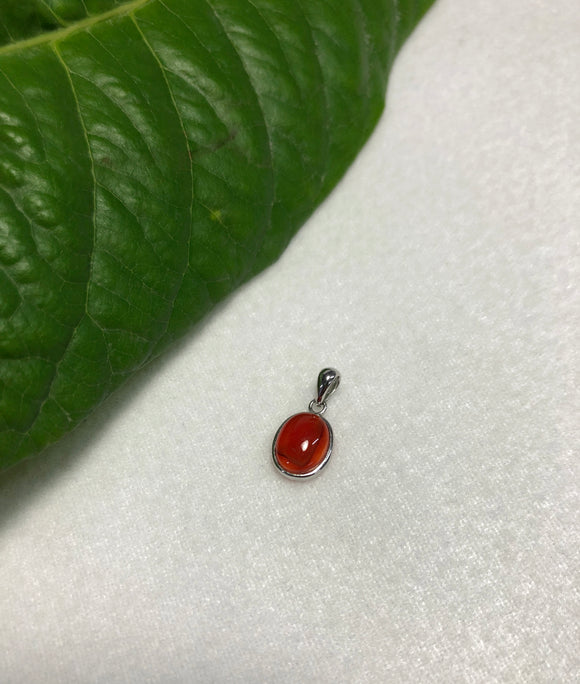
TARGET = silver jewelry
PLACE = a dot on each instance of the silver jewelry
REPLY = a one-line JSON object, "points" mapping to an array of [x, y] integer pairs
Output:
{"points": [[303, 443]]}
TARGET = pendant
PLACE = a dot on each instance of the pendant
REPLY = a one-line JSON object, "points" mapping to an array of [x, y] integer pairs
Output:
{"points": [[303, 443]]}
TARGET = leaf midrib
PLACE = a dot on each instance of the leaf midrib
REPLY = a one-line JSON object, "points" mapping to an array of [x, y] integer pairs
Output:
{"points": [[58, 34]]}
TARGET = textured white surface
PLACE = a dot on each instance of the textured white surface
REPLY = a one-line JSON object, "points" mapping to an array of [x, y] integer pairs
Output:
{"points": [[158, 544]]}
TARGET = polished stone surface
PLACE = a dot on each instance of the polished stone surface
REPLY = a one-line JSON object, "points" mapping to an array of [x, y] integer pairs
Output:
{"points": [[302, 444]]}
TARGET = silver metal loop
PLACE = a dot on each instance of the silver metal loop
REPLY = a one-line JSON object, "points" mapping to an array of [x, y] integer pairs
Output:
{"points": [[328, 382], [317, 407]]}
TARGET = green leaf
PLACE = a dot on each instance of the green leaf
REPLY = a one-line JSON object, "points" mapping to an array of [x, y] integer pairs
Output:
{"points": [[155, 154]]}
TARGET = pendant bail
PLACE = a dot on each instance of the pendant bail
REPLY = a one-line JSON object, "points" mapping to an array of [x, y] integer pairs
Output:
{"points": [[328, 381]]}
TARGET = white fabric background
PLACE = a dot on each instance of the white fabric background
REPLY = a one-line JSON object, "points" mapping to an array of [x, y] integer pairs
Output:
{"points": [[158, 543]]}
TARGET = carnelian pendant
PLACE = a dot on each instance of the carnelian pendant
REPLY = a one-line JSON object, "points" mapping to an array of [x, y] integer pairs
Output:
{"points": [[303, 443]]}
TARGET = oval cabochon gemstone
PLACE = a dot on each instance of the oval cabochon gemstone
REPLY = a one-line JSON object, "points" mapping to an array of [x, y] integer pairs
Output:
{"points": [[302, 444]]}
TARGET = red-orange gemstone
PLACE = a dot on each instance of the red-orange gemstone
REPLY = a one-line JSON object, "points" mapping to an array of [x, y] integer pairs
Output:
{"points": [[302, 443]]}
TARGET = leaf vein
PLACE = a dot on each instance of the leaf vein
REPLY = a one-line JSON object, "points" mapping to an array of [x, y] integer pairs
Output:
{"points": [[74, 328], [53, 37], [190, 155], [268, 222], [325, 129]]}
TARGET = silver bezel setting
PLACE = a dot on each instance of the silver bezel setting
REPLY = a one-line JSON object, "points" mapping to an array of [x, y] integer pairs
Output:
{"points": [[319, 467]]}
